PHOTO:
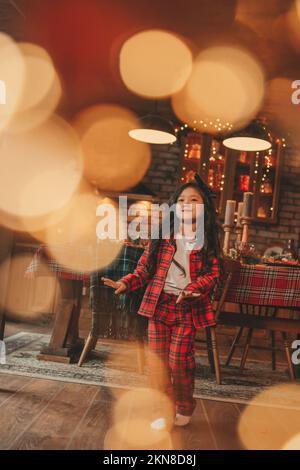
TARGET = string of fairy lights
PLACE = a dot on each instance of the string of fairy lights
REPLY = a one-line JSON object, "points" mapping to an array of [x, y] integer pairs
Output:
{"points": [[216, 157], [192, 152], [205, 125]]}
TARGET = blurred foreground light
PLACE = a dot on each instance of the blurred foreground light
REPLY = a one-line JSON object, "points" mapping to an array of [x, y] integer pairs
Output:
{"points": [[13, 73], [25, 298], [39, 76], [159, 424], [136, 434], [227, 84], [293, 443], [40, 169], [282, 104], [155, 63], [144, 403], [272, 418], [41, 89], [70, 235], [112, 160], [292, 18]]}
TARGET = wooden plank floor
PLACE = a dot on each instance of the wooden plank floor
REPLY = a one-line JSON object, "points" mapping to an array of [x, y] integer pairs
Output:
{"points": [[225, 337], [46, 414]]}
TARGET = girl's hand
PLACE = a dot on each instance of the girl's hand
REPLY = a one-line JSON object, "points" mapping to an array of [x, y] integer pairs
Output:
{"points": [[186, 294], [117, 285]]}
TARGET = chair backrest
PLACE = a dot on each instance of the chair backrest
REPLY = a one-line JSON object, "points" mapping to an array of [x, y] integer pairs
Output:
{"points": [[2, 352], [231, 265], [219, 295]]}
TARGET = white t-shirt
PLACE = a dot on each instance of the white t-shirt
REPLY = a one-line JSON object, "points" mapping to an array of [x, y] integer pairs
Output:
{"points": [[176, 280]]}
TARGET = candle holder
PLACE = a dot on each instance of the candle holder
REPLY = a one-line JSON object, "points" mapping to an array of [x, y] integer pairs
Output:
{"points": [[238, 233], [239, 227], [245, 221], [227, 231]]}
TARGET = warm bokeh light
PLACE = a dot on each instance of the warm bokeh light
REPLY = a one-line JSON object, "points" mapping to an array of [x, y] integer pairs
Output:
{"points": [[26, 299], [40, 74], [30, 224], [13, 222], [112, 160], [13, 72], [292, 18], [272, 418], [136, 434], [155, 63], [227, 84], [146, 404], [33, 225], [155, 379], [41, 91], [71, 236], [280, 108], [293, 443], [40, 169], [142, 418]]}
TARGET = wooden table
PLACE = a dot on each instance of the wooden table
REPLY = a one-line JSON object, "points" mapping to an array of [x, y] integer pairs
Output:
{"points": [[261, 292], [65, 344]]}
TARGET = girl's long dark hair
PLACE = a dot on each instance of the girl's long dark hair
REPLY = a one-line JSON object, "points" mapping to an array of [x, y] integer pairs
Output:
{"points": [[211, 248]]}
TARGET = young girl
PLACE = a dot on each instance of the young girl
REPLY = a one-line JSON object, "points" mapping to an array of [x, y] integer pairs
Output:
{"points": [[179, 273]]}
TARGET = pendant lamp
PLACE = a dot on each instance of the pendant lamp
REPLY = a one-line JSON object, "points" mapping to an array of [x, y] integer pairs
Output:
{"points": [[256, 137], [154, 129]]}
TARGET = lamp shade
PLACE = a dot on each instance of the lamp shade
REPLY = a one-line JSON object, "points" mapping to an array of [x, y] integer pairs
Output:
{"points": [[254, 138], [154, 130]]}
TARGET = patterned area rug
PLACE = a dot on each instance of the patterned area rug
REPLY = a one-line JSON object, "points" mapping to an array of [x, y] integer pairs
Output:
{"points": [[115, 365]]}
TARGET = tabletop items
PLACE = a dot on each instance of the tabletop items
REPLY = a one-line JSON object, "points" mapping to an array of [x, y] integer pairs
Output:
{"points": [[248, 254], [42, 255], [237, 223], [242, 218]]}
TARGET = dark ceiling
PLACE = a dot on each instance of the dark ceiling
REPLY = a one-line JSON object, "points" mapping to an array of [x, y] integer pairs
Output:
{"points": [[84, 37]]}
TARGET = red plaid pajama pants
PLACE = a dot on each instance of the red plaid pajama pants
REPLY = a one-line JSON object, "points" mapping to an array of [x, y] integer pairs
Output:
{"points": [[171, 343]]}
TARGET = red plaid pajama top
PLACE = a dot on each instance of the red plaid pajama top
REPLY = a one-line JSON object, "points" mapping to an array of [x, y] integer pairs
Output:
{"points": [[201, 308]]}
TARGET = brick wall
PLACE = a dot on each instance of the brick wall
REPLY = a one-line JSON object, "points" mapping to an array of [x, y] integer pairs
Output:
{"points": [[288, 225], [163, 177]]}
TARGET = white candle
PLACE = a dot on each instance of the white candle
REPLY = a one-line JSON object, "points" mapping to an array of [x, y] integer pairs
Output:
{"points": [[239, 213], [229, 212], [247, 207]]}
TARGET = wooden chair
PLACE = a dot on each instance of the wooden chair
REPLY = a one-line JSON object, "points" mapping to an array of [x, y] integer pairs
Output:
{"points": [[253, 317], [91, 342], [115, 316], [106, 312], [219, 296], [252, 310], [260, 317], [2, 323]]}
